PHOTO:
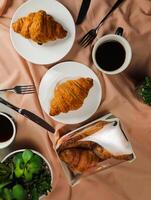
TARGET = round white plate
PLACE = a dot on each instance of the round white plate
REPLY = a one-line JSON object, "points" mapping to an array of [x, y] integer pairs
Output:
{"points": [[49, 52], [64, 71]]}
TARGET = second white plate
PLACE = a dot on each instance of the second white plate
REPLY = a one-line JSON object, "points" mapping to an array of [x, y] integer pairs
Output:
{"points": [[52, 51], [69, 70]]}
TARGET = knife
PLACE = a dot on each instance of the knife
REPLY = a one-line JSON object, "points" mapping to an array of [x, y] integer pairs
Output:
{"points": [[83, 11], [29, 115]]}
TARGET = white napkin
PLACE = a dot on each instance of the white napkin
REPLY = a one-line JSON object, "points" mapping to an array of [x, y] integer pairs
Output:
{"points": [[111, 138]]}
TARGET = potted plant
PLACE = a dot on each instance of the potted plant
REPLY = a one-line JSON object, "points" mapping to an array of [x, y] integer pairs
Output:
{"points": [[144, 91], [24, 175]]}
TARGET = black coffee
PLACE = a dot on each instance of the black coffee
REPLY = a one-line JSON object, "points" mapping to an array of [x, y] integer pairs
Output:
{"points": [[6, 129], [110, 55]]}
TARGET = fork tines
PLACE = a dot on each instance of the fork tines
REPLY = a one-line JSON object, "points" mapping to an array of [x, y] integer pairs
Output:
{"points": [[25, 89], [87, 38]]}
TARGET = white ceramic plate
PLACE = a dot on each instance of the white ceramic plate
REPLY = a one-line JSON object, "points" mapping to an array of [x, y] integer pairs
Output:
{"points": [[52, 51], [64, 71]]}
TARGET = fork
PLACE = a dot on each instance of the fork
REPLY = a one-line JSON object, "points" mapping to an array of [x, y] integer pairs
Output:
{"points": [[21, 89], [91, 35]]}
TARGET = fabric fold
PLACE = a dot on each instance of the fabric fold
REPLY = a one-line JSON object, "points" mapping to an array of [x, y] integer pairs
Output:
{"points": [[3, 4]]}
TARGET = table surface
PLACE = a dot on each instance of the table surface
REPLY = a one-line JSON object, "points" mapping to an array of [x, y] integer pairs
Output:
{"points": [[124, 182]]}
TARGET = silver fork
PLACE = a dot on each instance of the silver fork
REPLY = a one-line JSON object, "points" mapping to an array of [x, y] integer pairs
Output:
{"points": [[21, 89], [91, 35]]}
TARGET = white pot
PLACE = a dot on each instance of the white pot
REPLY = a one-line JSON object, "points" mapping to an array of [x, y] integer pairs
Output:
{"points": [[37, 153]]}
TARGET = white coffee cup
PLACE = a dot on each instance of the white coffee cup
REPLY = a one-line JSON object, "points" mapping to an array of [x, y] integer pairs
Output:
{"points": [[6, 143], [114, 37]]}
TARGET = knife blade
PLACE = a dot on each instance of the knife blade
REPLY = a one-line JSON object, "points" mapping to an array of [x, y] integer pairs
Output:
{"points": [[29, 115], [83, 11]]}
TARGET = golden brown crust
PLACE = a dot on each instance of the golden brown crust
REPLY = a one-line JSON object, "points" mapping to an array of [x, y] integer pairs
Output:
{"points": [[70, 95], [103, 154], [79, 160], [126, 157], [40, 27]]}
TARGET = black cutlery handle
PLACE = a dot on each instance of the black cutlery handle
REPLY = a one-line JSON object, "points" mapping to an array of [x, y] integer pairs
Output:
{"points": [[83, 11], [9, 104], [118, 2], [37, 120]]}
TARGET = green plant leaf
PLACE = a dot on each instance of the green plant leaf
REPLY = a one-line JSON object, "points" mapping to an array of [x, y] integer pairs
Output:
{"points": [[7, 194], [148, 81], [27, 155], [18, 160], [28, 175], [18, 172], [144, 90], [5, 172], [19, 193], [35, 194], [2, 185], [43, 182], [35, 164], [11, 166], [19, 165]]}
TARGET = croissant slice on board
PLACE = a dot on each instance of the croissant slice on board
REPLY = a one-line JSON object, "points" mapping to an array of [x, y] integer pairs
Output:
{"points": [[70, 95], [79, 160], [39, 27], [103, 154], [81, 144], [87, 145]]}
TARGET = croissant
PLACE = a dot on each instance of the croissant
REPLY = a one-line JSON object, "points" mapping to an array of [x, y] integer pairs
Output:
{"points": [[39, 27], [79, 160], [70, 95], [103, 154]]}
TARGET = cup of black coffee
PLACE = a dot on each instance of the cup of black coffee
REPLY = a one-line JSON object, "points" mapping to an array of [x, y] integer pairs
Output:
{"points": [[112, 53], [7, 130]]}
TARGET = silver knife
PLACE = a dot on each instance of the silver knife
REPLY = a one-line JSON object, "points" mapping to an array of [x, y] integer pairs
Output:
{"points": [[83, 11], [29, 115]]}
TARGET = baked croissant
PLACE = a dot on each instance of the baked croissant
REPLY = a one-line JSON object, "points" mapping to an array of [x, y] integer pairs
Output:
{"points": [[39, 27], [79, 160], [103, 154], [70, 95]]}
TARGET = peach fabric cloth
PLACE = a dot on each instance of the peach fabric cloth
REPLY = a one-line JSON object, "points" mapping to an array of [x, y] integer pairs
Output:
{"points": [[124, 182]]}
